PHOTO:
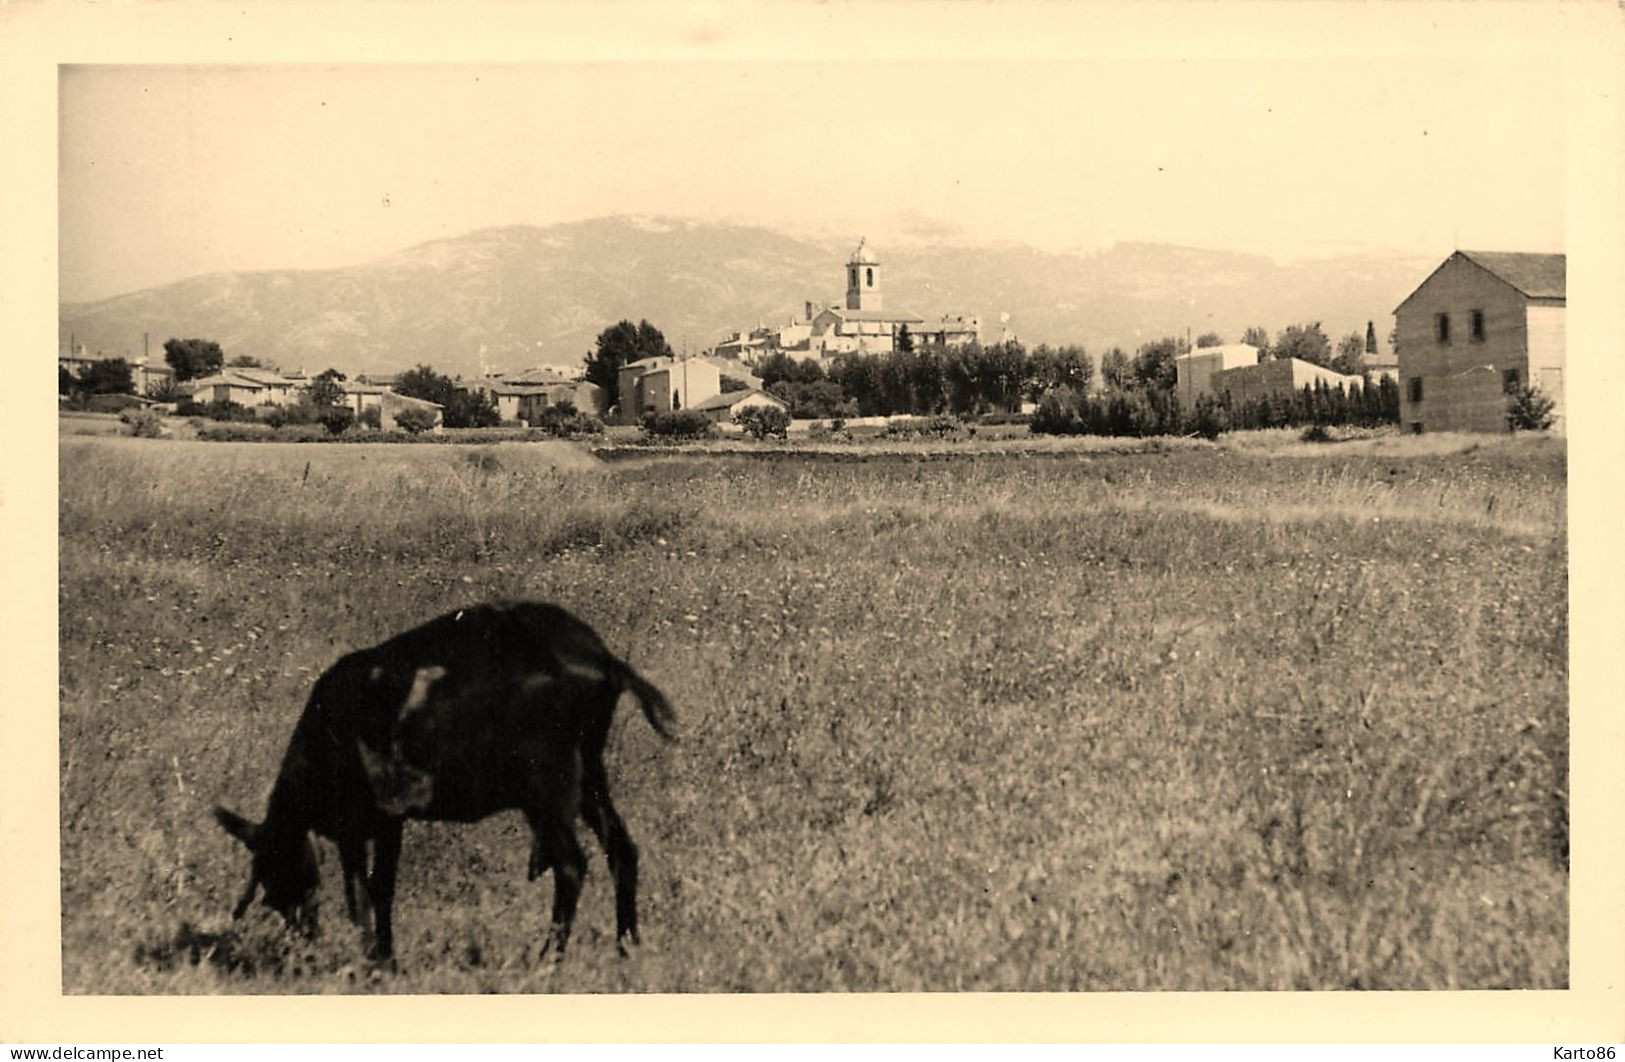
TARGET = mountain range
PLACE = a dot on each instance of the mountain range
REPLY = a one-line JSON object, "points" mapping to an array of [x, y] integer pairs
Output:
{"points": [[511, 297]]}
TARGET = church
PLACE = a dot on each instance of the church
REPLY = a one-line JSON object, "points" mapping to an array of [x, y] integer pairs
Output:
{"points": [[863, 325]]}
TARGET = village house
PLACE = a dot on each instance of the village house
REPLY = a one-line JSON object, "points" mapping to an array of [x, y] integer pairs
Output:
{"points": [[1483, 325], [360, 397], [251, 387], [662, 384], [728, 405], [146, 377], [1193, 370]]}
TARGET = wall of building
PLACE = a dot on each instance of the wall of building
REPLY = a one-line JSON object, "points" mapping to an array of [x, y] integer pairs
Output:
{"points": [[1547, 344], [1463, 381], [1277, 376]]}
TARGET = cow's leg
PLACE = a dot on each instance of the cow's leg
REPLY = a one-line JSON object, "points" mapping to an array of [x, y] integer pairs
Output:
{"points": [[622, 854], [357, 901], [386, 860], [556, 847]]}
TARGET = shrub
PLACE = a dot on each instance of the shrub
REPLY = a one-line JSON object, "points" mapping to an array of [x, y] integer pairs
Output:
{"points": [[763, 421], [230, 412], [1529, 410], [415, 421], [371, 417], [1060, 412], [563, 420], [679, 424], [1316, 433], [940, 426], [336, 419], [1210, 417], [144, 423]]}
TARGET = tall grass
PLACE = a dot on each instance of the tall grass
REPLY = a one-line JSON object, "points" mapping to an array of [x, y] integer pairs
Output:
{"points": [[1201, 719]]}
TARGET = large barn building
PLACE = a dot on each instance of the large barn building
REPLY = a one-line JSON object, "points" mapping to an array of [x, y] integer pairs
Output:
{"points": [[1481, 326]]}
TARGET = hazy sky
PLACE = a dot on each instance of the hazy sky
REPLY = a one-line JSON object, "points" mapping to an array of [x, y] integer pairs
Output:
{"points": [[171, 171]]}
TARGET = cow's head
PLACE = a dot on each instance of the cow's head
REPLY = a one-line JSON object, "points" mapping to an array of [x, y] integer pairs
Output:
{"points": [[284, 867]]}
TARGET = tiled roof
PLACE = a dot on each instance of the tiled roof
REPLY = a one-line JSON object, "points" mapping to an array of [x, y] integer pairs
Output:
{"points": [[728, 399], [1539, 276], [883, 316]]}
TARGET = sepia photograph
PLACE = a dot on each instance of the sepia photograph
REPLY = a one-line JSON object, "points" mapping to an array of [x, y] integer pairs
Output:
{"points": [[904, 514]]}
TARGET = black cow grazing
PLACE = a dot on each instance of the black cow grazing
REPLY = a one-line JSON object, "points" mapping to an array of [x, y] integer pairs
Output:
{"points": [[483, 709]]}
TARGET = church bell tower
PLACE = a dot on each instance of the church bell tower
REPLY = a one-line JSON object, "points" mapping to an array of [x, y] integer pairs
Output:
{"points": [[863, 280]]}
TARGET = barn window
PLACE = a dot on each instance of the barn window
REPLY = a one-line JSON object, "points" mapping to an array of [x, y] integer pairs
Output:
{"points": [[1478, 326], [1414, 387], [1441, 327], [1509, 381]]}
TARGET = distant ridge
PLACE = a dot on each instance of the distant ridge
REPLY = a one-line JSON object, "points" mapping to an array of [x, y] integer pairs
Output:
{"points": [[516, 296]]}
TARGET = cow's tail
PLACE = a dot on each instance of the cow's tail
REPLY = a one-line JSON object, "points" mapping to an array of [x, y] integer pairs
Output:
{"points": [[655, 707]]}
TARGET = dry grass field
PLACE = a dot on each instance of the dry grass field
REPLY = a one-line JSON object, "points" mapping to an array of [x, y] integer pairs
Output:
{"points": [[1254, 715]]}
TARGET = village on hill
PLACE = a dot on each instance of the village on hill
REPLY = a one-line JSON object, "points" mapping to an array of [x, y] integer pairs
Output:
{"points": [[1477, 346]]}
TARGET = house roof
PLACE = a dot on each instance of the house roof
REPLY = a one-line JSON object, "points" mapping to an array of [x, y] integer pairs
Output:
{"points": [[729, 399], [541, 375], [1536, 276], [1539, 276], [899, 316], [230, 377]]}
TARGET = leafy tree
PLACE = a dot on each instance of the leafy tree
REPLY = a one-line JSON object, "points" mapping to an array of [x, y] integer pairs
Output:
{"points": [[336, 419], [469, 409], [775, 367], [762, 421], [246, 361], [1209, 339], [415, 420], [1530, 410], [1305, 342], [812, 400], [1153, 367], [1255, 336], [110, 376], [325, 389], [1115, 371], [459, 408], [163, 389], [618, 346], [65, 380], [731, 384], [679, 424], [193, 358], [423, 382], [1349, 351]]}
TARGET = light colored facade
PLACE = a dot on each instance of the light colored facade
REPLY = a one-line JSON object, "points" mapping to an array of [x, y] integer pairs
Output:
{"points": [[1481, 326], [663, 384], [1193, 370], [728, 406], [145, 375], [246, 387], [360, 397], [1277, 376]]}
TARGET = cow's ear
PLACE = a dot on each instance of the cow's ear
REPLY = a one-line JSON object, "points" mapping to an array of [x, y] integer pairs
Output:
{"points": [[239, 827]]}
